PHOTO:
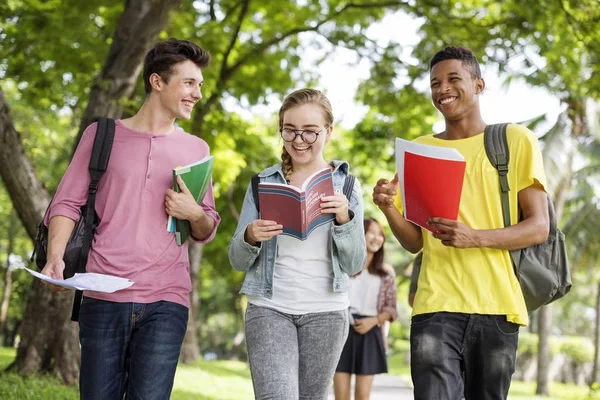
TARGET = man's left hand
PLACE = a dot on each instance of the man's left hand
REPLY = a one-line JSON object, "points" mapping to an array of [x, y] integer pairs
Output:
{"points": [[453, 233], [182, 205]]}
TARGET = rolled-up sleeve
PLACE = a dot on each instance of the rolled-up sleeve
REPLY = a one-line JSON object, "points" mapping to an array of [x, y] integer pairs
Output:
{"points": [[71, 193], [242, 254], [349, 239], [208, 205]]}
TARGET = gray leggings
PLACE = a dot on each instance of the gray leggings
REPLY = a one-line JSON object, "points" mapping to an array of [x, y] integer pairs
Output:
{"points": [[293, 356]]}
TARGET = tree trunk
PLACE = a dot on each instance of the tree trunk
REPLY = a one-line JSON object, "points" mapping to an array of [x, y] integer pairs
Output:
{"points": [[137, 31], [544, 356], [576, 113], [596, 368], [48, 338], [12, 228], [190, 350], [28, 196], [6, 295]]}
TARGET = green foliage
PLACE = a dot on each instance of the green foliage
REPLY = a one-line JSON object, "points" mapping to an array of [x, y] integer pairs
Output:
{"points": [[54, 55], [577, 348], [528, 343], [548, 44], [398, 364], [216, 332]]}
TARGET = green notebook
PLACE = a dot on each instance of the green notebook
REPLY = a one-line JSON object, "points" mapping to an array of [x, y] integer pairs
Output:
{"points": [[197, 179]]}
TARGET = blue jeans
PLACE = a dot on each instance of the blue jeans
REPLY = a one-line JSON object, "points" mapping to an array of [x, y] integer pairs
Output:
{"points": [[455, 355], [293, 357], [129, 349]]}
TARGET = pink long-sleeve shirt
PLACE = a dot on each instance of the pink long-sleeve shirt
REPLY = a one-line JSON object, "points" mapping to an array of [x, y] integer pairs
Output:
{"points": [[132, 240]]}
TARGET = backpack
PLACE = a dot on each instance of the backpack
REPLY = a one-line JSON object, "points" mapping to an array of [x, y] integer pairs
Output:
{"points": [[347, 189], [80, 241], [542, 269]]}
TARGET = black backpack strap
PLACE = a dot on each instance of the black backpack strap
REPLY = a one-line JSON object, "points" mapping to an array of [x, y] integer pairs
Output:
{"points": [[254, 186], [101, 149], [348, 186], [496, 148]]}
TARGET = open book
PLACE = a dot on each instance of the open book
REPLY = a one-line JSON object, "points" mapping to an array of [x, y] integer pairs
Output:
{"points": [[298, 210], [431, 180], [197, 179]]}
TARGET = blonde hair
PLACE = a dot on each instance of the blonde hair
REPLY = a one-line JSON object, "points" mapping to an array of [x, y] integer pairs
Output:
{"points": [[295, 99]]}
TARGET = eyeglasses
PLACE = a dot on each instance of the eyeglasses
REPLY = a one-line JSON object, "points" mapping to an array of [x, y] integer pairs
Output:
{"points": [[308, 136]]}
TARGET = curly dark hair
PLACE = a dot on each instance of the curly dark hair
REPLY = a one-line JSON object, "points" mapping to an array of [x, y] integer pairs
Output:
{"points": [[466, 56]]}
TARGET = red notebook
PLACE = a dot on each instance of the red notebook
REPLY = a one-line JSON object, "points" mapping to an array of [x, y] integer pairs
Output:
{"points": [[431, 180]]}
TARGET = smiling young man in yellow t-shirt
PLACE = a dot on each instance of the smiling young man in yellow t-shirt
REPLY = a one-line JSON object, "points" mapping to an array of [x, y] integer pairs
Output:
{"points": [[469, 306]]}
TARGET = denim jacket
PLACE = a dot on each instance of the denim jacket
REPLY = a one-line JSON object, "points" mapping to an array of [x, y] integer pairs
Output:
{"points": [[347, 247]]}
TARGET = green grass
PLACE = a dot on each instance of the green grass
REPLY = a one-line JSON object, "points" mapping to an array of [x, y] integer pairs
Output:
{"points": [[204, 380], [229, 380], [558, 391], [13, 386], [212, 380]]}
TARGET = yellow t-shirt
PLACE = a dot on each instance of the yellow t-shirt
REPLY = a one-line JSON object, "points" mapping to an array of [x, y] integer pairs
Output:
{"points": [[479, 280]]}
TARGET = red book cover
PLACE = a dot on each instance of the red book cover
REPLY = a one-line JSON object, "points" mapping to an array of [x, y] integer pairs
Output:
{"points": [[431, 180], [298, 210]]}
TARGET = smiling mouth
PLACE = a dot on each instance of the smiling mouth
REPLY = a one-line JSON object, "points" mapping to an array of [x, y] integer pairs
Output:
{"points": [[188, 104], [301, 149], [447, 100]]}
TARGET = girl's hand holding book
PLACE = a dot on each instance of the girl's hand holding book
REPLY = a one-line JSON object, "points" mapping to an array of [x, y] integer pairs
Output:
{"points": [[338, 205], [260, 230]]}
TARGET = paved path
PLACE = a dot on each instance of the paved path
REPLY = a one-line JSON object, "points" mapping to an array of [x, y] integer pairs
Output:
{"points": [[388, 387]]}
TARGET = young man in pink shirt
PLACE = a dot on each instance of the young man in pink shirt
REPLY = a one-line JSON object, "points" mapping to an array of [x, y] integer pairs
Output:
{"points": [[131, 339]]}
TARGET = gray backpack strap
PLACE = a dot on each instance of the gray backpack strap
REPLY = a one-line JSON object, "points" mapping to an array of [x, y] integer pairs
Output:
{"points": [[349, 186], [254, 186], [496, 148]]}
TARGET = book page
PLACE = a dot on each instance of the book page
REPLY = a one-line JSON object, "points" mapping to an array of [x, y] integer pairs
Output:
{"points": [[321, 185]]}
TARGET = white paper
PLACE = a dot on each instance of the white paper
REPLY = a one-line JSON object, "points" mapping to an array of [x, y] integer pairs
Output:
{"points": [[426, 150], [87, 281]]}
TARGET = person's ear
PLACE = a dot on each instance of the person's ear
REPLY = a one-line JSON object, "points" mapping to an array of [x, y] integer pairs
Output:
{"points": [[328, 133], [479, 85], [156, 82]]}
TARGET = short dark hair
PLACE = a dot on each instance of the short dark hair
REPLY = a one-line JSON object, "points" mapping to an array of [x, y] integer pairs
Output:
{"points": [[164, 55], [466, 56]]}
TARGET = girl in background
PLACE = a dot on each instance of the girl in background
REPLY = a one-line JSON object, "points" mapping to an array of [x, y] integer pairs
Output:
{"points": [[372, 306], [297, 318]]}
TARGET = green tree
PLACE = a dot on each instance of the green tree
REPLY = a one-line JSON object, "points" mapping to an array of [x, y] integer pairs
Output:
{"points": [[48, 338]]}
